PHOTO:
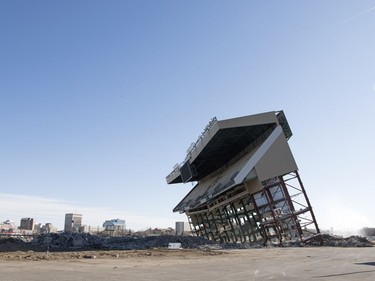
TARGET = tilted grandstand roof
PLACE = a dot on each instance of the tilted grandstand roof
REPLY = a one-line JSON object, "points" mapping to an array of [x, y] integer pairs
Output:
{"points": [[230, 151]]}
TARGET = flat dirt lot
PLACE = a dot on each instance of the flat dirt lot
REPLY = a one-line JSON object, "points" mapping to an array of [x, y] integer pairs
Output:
{"points": [[320, 263]]}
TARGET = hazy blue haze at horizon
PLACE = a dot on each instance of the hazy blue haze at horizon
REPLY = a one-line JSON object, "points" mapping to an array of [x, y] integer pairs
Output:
{"points": [[99, 100]]}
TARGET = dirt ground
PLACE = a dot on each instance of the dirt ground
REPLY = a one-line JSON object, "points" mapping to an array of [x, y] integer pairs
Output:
{"points": [[321, 263]]}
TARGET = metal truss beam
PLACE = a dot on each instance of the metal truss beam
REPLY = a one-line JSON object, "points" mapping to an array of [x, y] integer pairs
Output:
{"points": [[280, 212]]}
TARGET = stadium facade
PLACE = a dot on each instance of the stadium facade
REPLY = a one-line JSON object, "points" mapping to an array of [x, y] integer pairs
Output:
{"points": [[247, 186]]}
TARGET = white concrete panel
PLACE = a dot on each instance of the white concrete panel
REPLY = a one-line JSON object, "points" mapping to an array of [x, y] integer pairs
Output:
{"points": [[276, 161], [258, 155], [250, 120]]}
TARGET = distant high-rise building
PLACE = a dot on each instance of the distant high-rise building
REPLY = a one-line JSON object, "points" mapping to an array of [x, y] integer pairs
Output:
{"points": [[182, 228], [27, 224], [73, 222]]}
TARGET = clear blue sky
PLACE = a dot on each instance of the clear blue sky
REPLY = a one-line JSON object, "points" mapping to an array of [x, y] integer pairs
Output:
{"points": [[99, 99]]}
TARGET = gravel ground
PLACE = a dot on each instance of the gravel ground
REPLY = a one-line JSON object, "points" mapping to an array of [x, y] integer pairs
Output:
{"points": [[278, 263]]}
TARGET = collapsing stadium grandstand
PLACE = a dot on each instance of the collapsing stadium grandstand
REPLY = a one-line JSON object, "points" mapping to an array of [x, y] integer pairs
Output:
{"points": [[247, 184]]}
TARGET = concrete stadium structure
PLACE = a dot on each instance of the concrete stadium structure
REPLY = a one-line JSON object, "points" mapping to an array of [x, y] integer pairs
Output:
{"points": [[247, 184]]}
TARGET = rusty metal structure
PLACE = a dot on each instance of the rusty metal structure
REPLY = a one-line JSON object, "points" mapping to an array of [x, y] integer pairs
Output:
{"points": [[247, 186]]}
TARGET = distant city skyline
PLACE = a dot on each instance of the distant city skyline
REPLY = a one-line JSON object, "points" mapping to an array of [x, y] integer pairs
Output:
{"points": [[45, 210]]}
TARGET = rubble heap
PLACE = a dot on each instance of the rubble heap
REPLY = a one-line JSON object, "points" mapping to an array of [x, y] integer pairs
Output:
{"points": [[11, 244], [337, 241], [84, 241], [73, 241]]}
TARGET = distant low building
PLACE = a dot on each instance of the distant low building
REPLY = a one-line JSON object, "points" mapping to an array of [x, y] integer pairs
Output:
{"points": [[91, 229], [37, 227], [48, 228], [7, 227], [73, 222], [114, 224]]}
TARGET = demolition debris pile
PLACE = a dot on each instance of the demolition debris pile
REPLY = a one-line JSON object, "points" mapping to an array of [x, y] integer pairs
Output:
{"points": [[83, 241], [88, 241], [337, 241]]}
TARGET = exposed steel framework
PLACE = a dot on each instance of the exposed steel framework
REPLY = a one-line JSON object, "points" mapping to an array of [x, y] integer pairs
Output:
{"points": [[239, 202], [281, 211]]}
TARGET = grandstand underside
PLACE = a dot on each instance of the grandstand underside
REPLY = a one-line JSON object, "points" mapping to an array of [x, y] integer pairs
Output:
{"points": [[247, 187]]}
